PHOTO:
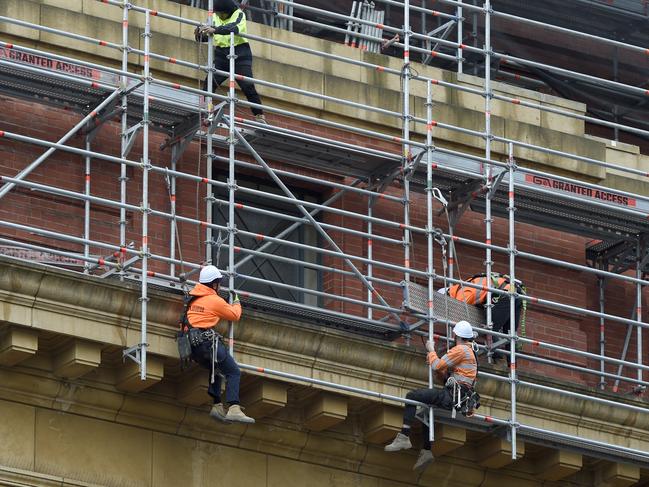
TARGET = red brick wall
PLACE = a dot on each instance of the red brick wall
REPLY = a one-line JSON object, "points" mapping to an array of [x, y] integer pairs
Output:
{"points": [[61, 214]]}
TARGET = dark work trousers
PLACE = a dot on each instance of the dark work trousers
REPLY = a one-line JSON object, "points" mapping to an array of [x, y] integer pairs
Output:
{"points": [[225, 365], [500, 316], [242, 66], [440, 398]]}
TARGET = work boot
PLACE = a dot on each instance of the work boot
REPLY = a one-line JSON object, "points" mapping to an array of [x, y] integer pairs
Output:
{"points": [[218, 412], [235, 414], [400, 442], [261, 118], [425, 458]]}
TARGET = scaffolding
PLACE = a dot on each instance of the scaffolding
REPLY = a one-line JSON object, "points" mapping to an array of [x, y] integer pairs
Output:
{"points": [[451, 180]]}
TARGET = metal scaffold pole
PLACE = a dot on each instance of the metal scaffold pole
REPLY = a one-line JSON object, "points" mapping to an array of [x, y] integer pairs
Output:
{"points": [[430, 268], [638, 275], [146, 165], [231, 181], [86, 206], [124, 136], [511, 210], [407, 156], [208, 143]]}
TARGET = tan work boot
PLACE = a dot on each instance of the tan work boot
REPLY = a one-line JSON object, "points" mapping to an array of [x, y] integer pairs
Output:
{"points": [[261, 118], [218, 412], [235, 414], [400, 442], [425, 458]]}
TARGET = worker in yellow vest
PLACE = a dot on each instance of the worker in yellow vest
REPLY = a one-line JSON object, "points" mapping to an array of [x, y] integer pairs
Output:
{"points": [[227, 18]]}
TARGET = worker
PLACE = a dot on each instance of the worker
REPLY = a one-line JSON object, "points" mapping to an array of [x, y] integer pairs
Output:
{"points": [[205, 310], [460, 365], [500, 312], [227, 18]]}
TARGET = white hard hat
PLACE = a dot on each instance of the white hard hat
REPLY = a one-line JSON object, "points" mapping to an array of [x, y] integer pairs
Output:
{"points": [[209, 273], [463, 329]]}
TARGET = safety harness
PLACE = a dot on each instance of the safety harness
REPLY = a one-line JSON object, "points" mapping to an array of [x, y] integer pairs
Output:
{"points": [[189, 337], [465, 398]]}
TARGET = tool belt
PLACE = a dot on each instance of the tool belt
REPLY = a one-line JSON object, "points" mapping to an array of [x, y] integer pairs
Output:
{"points": [[190, 339], [465, 398]]}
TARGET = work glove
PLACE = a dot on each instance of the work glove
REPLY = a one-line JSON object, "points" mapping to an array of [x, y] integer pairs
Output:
{"points": [[430, 346], [431, 357], [234, 297]]}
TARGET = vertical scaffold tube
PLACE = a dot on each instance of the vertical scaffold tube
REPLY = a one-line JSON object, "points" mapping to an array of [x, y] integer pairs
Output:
{"points": [[124, 138], [638, 275], [602, 327], [208, 142], [370, 204], [86, 209], [429, 239], [512, 290], [406, 135], [460, 36], [487, 168], [172, 221], [231, 182], [145, 192]]}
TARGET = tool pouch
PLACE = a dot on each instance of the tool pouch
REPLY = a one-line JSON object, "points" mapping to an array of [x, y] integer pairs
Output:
{"points": [[184, 348]]}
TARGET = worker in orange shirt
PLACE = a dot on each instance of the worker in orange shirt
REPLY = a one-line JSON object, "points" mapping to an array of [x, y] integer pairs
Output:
{"points": [[205, 310], [461, 366]]}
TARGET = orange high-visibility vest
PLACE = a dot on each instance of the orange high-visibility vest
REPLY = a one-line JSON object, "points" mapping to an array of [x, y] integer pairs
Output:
{"points": [[475, 296]]}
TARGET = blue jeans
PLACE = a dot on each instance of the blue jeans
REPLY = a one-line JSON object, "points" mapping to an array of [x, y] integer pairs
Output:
{"points": [[225, 364]]}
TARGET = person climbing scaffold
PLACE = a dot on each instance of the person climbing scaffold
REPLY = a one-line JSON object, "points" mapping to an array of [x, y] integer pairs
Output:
{"points": [[229, 18], [461, 367], [199, 341]]}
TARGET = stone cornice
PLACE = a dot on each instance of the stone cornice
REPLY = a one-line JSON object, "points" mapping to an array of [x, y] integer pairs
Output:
{"points": [[87, 307]]}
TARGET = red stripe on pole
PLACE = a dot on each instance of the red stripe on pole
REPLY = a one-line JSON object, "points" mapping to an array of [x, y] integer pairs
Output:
{"points": [[239, 206], [145, 240], [93, 114], [94, 85], [173, 198], [397, 139], [406, 54], [103, 43], [488, 419], [154, 13], [434, 81], [380, 26], [455, 238], [101, 261], [434, 53], [122, 250], [146, 58], [615, 388], [205, 180], [406, 263], [380, 69], [240, 77], [259, 237], [173, 60], [369, 242], [512, 366], [430, 304], [451, 260], [536, 343], [516, 101], [435, 13], [238, 119], [231, 84], [511, 195], [204, 224], [2, 133], [150, 273], [260, 369], [10, 46], [125, 23], [237, 250], [88, 177], [176, 85], [488, 241], [462, 46]]}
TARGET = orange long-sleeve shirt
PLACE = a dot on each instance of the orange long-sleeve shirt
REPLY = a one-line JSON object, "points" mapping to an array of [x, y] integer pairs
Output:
{"points": [[209, 308], [459, 360]]}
